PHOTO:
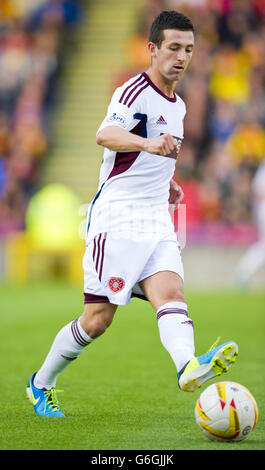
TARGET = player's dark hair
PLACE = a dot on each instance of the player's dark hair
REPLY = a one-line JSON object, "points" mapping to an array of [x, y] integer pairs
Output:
{"points": [[168, 20]]}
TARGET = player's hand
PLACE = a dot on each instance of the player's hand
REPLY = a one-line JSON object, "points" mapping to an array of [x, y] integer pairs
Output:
{"points": [[176, 195], [163, 145]]}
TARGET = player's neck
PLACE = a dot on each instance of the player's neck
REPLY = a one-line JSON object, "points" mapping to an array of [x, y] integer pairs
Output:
{"points": [[166, 86]]}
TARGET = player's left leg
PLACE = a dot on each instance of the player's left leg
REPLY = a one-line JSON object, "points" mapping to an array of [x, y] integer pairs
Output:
{"points": [[72, 339], [67, 346], [165, 292]]}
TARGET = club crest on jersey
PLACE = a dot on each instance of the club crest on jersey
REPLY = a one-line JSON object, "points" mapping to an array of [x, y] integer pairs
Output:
{"points": [[116, 284]]}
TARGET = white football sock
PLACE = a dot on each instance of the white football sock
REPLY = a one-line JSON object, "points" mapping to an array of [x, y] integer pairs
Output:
{"points": [[67, 346], [176, 332]]}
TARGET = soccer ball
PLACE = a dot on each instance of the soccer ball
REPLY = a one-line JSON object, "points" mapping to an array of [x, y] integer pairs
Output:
{"points": [[226, 411]]}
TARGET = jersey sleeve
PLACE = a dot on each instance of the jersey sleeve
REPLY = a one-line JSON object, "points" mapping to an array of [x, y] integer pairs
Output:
{"points": [[119, 114]]}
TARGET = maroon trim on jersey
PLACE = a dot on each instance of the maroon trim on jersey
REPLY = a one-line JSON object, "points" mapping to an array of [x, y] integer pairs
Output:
{"points": [[138, 93], [173, 100], [128, 87], [95, 299], [124, 160], [133, 89]]}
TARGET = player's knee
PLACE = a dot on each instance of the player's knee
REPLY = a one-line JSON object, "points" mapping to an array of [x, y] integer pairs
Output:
{"points": [[95, 323], [174, 294], [97, 326]]}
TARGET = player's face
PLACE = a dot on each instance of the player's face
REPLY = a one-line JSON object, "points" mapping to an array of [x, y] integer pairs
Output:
{"points": [[174, 54]]}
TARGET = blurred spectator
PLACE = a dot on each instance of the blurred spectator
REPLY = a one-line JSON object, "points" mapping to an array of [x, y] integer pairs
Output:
{"points": [[3, 177], [30, 44], [224, 120], [56, 13], [229, 78], [247, 142]]}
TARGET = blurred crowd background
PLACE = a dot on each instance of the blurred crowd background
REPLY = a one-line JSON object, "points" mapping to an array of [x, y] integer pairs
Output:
{"points": [[223, 91], [35, 37]]}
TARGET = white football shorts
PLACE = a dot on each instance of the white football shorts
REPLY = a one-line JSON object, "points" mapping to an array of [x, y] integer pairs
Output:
{"points": [[114, 263]]}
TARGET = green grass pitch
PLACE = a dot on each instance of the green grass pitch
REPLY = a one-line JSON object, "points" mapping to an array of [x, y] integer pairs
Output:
{"points": [[122, 392]]}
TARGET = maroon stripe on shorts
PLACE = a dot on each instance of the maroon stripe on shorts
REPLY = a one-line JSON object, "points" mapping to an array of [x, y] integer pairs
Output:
{"points": [[98, 251], [102, 256], [95, 299]]}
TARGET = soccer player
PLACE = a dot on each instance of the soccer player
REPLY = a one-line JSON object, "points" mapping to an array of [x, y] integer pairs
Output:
{"points": [[131, 245]]}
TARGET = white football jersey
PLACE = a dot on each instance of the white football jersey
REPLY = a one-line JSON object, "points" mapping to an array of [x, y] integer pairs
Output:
{"points": [[133, 186]]}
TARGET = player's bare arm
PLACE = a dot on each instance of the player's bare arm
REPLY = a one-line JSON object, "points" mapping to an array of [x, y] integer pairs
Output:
{"points": [[115, 138]]}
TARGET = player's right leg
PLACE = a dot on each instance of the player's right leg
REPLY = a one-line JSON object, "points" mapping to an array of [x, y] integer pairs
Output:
{"points": [[162, 284], [68, 344]]}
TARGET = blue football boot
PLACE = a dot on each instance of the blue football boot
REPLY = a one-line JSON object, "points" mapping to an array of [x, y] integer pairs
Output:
{"points": [[45, 402]]}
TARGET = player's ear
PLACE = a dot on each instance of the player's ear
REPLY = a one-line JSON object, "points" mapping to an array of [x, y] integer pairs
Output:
{"points": [[152, 48]]}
